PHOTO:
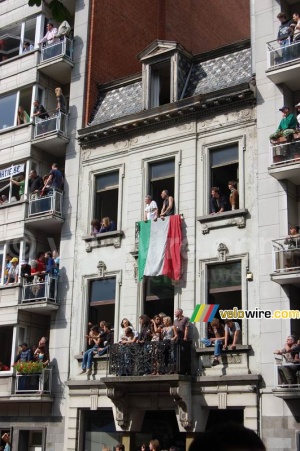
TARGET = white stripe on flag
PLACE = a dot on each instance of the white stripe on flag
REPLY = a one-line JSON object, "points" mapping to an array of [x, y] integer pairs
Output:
{"points": [[157, 247]]}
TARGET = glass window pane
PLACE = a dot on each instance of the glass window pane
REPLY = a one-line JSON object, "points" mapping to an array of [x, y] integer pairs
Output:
{"points": [[30, 31], [107, 181], [162, 169], [225, 155], [221, 276], [7, 110], [103, 290]]}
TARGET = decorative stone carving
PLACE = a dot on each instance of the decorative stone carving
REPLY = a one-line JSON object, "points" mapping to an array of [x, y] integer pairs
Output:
{"points": [[94, 398], [121, 403], [88, 247], [241, 223], [182, 397], [222, 252], [101, 241], [101, 268], [222, 400]]}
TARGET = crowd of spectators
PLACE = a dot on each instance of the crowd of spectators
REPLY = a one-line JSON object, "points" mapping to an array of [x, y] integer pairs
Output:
{"points": [[36, 353], [106, 225]]}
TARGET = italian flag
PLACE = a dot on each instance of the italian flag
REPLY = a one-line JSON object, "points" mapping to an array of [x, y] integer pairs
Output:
{"points": [[160, 248]]}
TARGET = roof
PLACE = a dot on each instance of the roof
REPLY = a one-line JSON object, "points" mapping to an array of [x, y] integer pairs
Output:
{"points": [[208, 76]]}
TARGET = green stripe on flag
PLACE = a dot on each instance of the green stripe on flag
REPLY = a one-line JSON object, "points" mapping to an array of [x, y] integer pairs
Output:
{"points": [[194, 315], [144, 239]]}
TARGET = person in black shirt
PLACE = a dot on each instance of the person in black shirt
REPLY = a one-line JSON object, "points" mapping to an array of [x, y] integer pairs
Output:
{"points": [[39, 110], [35, 182], [218, 202]]}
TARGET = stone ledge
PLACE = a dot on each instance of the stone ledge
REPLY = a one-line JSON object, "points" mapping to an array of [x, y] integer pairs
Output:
{"points": [[79, 357], [226, 219], [229, 379], [103, 239], [210, 350]]}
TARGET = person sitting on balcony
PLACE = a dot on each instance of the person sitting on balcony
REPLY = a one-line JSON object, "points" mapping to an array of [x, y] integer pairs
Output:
{"points": [[96, 226], [291, 353], [13, 273], [20, 183], [218, 202], [234, 195], [39, 111], [60, 99], [49, 37], [292, 256], [151, 210], [217, 340], [22, 117], [107, 225], [107, 338], [4, 367], [168, 204], [94, 340], [284, 34], [232, 334], [287, 126]]}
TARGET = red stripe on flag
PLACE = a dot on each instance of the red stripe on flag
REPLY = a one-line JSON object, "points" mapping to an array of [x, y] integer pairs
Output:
{"points": [[172, 260], [208, 313]]}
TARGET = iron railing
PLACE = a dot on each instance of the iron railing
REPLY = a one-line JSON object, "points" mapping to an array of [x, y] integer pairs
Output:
{"points": [[58, 49], [286, 252], [285, 153], [57, 123], [163, 357], [37, 290], [34, 383], [281, 53], [50, 202]]}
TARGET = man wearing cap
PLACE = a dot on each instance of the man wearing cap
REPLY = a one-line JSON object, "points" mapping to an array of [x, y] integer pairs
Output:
{"points": [[286, 127], [24, 355], [13, 273]]}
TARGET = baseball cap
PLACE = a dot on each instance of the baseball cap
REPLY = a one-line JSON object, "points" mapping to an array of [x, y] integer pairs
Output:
{"points": [[14, 260], [284, 108]]}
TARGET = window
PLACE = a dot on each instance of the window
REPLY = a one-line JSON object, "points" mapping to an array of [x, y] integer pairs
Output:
{"points": [[9, 192], [9, 107], [160, 84], [31, 440], [98, 430], [13, 37], [161, 177], [6, 340], [224, 285], [9, 250], [158, 295], [102, 298], [224, 166], [107, 196]]}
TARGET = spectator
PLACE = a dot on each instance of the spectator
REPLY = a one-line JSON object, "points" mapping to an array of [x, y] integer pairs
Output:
{"points": [[156, 328], [107, 225], [154, 445], [61, 102], [128, 336], [13, 272], [50, 263], [284, 35], [151, 210], [218, 203], [55, 178], [234, 195], [21, 184], [292, 257], [49, 37], [39, 111], [169, 332], [291, 353], [4, 367], [24, 355], [6, 438], [126, 323], [94, 340], [35, 184], [296, 28], [286, 127], [27, 47], [168, 204], [56, 257], [120, 447], [217, 340], [41, 354], [232, 334], [145, 332], [7, 267], [96, 226], [26, 271], [107, 339], [22, 117], [182, 324], [298, 115], [3, 199]]}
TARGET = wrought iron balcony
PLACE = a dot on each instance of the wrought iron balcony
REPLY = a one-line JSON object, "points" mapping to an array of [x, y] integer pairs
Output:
{"points": [[34, 383], [286, 260], [164, 357], [283, 63], [51, 202], [40, 296]]}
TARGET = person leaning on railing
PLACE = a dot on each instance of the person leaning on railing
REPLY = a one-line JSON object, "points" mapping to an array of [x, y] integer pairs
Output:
{"points": [[292, 257], [290, 351]]}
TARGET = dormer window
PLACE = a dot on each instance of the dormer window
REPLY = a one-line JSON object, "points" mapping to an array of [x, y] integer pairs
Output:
{"points": [[165, 69]]}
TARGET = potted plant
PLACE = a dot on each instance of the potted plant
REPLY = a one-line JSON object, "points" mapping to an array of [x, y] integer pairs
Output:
{"points": [[29, 367]]}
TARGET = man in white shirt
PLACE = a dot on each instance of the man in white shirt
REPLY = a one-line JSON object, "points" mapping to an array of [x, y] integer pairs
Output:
{"points": [[232, 334], [151, 210], [49, 37]]}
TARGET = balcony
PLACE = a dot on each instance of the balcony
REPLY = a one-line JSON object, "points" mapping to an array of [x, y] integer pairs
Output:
{"points": [[283, 390], [40, 296], [34, 383], [284, 64], [46, 212], [285, 160], [51, 134], [57, 61], [286, 261]]}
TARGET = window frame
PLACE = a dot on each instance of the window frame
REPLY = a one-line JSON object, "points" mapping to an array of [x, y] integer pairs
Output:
{"points": [[92, 178], [203, 286], [31, 429], [205, 173], [22, 242], [26, 164]]}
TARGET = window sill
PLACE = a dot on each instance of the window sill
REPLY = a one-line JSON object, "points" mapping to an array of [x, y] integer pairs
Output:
{"points": [[11, 285], [226, 219], [210, 350], [103, 239], [13, 128], [79, 357]]}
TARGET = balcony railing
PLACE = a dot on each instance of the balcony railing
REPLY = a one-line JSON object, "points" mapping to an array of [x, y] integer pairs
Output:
{"points": [[57, 123], [160, 358], [40, 290], [286, 375], [51, 202], [284, 153], [279, 54], [62, 48], [286, 255], [34, 383]]}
